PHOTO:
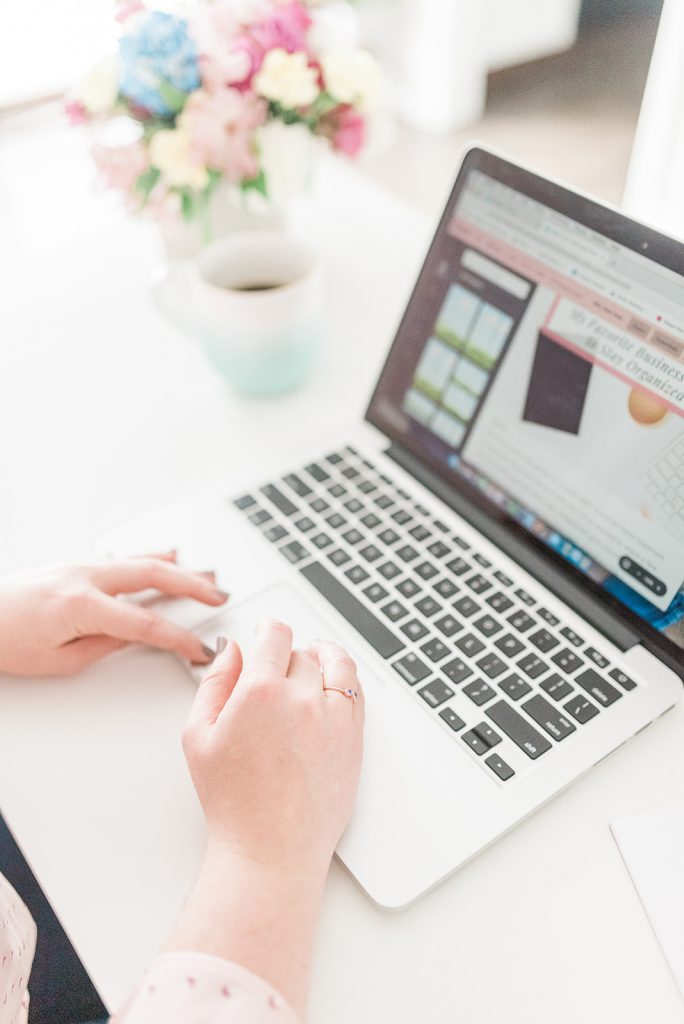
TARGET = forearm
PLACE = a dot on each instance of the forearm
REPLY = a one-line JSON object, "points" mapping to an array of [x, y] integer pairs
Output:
{"points": [[260, 916]]}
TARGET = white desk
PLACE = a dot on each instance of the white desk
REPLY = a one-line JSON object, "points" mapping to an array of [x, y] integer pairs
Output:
{"points": [[107, 410]]}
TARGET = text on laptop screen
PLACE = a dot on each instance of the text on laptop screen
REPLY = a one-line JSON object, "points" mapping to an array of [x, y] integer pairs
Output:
{"points": [[551, 377]]}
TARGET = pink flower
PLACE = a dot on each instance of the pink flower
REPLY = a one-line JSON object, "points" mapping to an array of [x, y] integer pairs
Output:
{"points": [[349, 131], [286, 29], [126, 8], [120, 166], [221, 128], [75, 112]]}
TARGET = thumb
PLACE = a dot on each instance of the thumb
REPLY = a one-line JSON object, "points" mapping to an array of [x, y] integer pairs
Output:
{"points": [[218, 684]]}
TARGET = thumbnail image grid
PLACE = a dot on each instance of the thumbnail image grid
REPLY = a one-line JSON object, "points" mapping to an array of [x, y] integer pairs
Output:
{"points": [[457, 361]]}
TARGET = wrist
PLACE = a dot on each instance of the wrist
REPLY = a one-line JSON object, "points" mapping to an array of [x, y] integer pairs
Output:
{"points": [[301, 874]]}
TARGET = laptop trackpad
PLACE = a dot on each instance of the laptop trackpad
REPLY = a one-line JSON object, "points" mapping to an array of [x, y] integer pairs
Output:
{"points": [[416, 784]]}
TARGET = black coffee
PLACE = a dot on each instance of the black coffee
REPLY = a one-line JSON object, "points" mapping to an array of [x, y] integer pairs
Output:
{"points": [[255, 287]]}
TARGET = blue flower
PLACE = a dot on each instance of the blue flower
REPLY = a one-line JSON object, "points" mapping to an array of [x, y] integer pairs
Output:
{"points": [[158, 51]]}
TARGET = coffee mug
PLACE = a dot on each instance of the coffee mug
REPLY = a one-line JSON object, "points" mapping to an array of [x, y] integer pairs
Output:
{"points": [[258, 308]]}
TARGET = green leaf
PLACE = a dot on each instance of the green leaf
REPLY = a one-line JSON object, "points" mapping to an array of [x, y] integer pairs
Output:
{"points": [[174, 98], [188, 204], [146, 182], [257, 184]]}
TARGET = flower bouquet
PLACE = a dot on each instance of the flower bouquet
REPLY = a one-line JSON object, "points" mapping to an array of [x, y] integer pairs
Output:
{"points": [[222, 94]]}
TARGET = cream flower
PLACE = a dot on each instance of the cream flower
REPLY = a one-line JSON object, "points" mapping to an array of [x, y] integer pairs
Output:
{"points": [[170, 152], [352, 76], [98, 90], [286, 78]]}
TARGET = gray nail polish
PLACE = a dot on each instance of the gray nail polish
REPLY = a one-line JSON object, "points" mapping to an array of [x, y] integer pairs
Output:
{"points": [[208, 651], [221, 644], [223, 594]]}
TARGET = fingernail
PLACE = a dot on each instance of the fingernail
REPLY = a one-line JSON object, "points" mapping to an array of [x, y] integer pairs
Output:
{"points": [[223, 594], [207, 651], [208, 574], [221, 644], [172, 553]]}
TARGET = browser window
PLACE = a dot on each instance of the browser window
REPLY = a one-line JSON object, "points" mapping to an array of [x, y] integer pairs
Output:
{"points": [[554, 377]]}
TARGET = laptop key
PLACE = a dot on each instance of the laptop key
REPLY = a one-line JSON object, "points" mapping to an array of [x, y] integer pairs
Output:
{"points": [[525, 597], [408, 587], [337, 490], [479, 692], [411, 669], [567, 660], [486, 733], [425, 570], [454, 722], [389, 536], [514, 686], [334, 459], [509, 645], [260, 517], [353, 537], [401, 516], [458, 566], [246, 501], [556, 686], [456, 671], [384, 501], [375, 592], [543, 640], [521, 621], [351, 473], [478, 583], [596, 657], [371, 553], [419, 532], [436, 693], [439, 549], [499, 767], [275, 533], [518, 729], [357, 614], [548, 717], [460, 543], [357, 574], [428, 606], [294, 551], [367, 487], [488, 626], [473, 740], [491, 665], [499, 602], [445, 588], [503, 579], [319, 505], [414, 629], [406, 553], [434, 649], [371, 520], [317, 472], [466, 606], [321, 540], [581, 709], [353, 505], [305, 524], [548, 617], [335, 521], [625, 682], [297, 485], [439, 525], [389, 570], [394, 611], [533, 666], [571, 636], [470, 645], [448, 625], [603, 692], [277, 498], [339, 557]]}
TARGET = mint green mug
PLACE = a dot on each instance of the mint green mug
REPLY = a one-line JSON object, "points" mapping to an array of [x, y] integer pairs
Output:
{"points": [[258, 308]]}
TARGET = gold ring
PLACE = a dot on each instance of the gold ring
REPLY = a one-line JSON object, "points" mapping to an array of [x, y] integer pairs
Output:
{"points": [[351, 695]]}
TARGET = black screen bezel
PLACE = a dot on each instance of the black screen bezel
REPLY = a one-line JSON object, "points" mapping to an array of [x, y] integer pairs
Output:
{"points": [[663, 250]]}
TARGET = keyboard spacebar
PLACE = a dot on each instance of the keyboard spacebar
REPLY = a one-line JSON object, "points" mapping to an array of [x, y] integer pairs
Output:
{"points": [[370, 628]]}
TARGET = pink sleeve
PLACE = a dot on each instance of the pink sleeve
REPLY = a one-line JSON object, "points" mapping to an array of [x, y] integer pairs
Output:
{"points": [[17, 946], [195, 988]]}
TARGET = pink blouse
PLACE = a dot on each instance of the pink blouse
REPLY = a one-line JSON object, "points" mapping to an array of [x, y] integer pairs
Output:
{"points": [[178, 988]]}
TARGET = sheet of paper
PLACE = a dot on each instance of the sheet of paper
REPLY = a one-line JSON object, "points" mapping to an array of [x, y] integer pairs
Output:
{"points": [[652, 847]]}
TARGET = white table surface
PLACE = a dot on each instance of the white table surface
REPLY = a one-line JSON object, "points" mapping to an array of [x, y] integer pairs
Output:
{"points": [[106, 410]]}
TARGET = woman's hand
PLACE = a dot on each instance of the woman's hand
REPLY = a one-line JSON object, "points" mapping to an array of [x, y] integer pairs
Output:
{"points": [[56, 621], [276, 762]]}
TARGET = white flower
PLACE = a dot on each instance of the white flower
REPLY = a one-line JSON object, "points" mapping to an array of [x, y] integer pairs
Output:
{"points": [[335, 27], [352, 76], [170, 153], [286, 153], [286, 78], [98, 90]]}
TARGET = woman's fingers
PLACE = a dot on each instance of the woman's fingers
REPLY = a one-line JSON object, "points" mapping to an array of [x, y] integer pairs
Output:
{"points": [[337, 667], [77, 655], [217, 685], [305, 669], [135, 575], [271, 650], [100, 614]]}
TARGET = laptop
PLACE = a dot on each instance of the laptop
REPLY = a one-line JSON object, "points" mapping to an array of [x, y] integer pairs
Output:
{"points": [[481, 542]]}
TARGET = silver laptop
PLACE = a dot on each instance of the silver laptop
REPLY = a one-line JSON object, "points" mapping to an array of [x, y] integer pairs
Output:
{"points": [[485, 543]]}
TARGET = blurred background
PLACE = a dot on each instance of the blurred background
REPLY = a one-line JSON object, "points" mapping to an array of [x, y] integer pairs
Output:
{"points": [[557, 83]]}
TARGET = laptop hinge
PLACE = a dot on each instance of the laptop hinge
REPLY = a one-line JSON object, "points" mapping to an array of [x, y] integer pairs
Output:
{"points": [[600, 617]]}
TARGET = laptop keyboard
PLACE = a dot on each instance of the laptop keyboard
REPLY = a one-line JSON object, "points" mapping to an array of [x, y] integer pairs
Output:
{"points": [[490, 663]]}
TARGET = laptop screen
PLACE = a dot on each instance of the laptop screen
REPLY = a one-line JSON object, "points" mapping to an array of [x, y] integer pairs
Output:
{"points": [[541, 364]]}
